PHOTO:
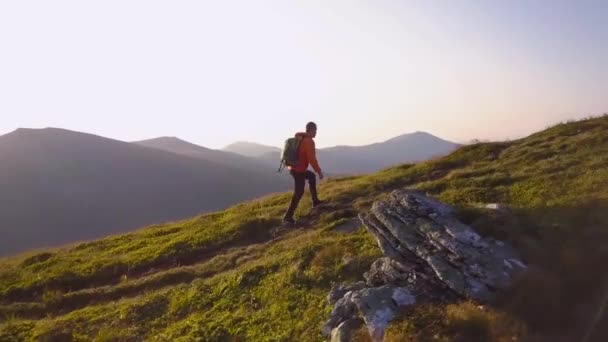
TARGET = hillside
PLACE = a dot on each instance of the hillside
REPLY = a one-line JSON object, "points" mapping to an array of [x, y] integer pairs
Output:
{"points": [[225, 276], [60, 186], [231, 159]]}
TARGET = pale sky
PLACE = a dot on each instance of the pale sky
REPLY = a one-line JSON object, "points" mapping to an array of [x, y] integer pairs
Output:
{"points": [[213, 72]]}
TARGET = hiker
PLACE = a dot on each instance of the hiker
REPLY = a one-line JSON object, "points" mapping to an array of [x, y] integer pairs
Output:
{"points": [[300, 172]]}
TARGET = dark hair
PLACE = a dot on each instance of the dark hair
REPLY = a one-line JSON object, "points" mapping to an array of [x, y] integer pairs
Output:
{"points": [[311, 126]]}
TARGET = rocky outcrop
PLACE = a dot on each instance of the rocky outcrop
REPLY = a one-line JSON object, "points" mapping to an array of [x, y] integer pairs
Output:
{"points": [[428, 255], [377, 306]]}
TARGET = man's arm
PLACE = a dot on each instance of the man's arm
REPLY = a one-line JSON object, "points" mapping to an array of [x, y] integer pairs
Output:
{"points": [[312, 157]]}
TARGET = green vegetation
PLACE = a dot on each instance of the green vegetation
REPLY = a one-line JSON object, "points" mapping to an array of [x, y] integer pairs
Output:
{"points": [[226, 276]]}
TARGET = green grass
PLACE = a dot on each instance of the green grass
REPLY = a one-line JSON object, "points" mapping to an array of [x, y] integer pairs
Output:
{"points": [[224, 276]]}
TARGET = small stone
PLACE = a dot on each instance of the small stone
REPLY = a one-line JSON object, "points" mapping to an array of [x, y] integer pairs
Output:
{"points": [[496, 206], [343, 332], [387, 271], [378, 306]]}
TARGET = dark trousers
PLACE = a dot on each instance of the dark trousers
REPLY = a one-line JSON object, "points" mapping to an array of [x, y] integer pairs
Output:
{"points": [[300, 179]]}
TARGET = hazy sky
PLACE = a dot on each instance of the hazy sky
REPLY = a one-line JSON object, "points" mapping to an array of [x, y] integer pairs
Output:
{"points": [[213, 72]]}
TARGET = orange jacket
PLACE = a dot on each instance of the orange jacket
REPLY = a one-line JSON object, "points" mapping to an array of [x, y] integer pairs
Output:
{"points": [[306, 154]]}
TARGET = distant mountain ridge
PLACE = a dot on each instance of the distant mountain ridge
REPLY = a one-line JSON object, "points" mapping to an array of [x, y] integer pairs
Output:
{"points": [[345, 159], [60, 186], [176, 145], [406, 148], [84, 186], [251, 149]]}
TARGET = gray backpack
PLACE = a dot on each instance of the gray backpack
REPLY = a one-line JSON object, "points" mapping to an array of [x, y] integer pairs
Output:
{"points": [[289, 155]]}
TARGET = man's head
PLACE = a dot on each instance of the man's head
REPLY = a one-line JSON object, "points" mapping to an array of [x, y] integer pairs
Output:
{"points": [[311, 129]]}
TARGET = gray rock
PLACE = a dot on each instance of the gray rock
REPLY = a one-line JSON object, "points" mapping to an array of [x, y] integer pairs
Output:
{"points": [[388, 248], [343, 332], [426, 251], [388, 271], [339, 291], [377, 306], [344, 309], [459, 258]]}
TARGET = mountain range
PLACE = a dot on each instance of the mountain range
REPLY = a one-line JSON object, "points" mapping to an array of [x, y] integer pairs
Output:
{"points": [[251, 149], [224, 157], [350, 160], [60, 186]]}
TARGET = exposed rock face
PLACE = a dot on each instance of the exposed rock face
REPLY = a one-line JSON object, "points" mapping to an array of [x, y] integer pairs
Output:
{"points": [[376, 305], [429, 255], [413, 225], [343, 332]]}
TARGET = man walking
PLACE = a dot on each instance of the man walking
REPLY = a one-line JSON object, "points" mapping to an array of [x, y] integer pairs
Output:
{"points": [[300, 173]]}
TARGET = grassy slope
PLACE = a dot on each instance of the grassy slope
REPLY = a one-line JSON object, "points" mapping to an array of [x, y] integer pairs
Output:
{"points": [[224, 275]]}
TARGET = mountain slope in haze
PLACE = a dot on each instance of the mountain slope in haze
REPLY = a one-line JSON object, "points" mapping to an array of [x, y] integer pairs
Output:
{"points": [[352, 160], [406, 148], [60, 186], [250, 149], [225, 276], [175, 145]]}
